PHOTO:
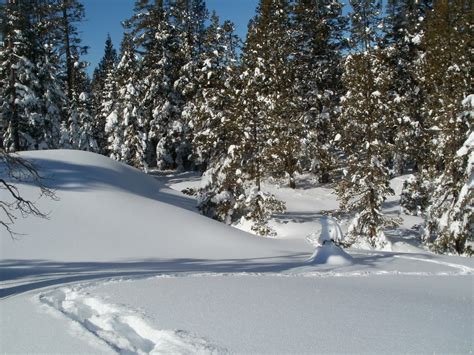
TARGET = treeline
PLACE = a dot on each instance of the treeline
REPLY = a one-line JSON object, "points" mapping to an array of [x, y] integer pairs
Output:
{"points": [[355, 99]]}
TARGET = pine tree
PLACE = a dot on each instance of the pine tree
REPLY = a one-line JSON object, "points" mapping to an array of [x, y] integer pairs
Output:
{"points": [[71, 137], [50, 87], [208, 110], [64, 136], [156, 37], [84, 116], [108, 112], [20, 106], [170, 35], [133, 149], [100, 83], [405, 27], [108, 62], [71, 12], [215, 129], [366, 118], [52, 99], [445, 74], [80, 113], [264, 65], [190, 17], [257, 117], [442, 72], [319, 34], [223, 194], [241, 138], [450, 216]]}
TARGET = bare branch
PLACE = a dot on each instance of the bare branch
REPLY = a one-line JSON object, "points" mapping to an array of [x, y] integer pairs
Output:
{"points": [[15, 170]]}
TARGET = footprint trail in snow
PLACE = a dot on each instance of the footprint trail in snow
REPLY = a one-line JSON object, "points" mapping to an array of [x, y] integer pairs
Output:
{"points": [[121, 328]]}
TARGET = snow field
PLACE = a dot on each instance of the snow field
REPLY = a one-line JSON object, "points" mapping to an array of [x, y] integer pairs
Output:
{"points": [[125, 264], [278, 314]]}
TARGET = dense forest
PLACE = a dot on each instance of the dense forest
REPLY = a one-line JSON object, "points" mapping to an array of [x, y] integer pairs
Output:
{"points": [[355, 97]]}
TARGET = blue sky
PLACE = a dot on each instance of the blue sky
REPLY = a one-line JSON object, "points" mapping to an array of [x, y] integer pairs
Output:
{"points": [[105, 16]]}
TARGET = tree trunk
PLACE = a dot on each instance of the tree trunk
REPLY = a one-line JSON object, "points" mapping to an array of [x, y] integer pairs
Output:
{"points": [[67, 44], [292, 182], [14, 118]]}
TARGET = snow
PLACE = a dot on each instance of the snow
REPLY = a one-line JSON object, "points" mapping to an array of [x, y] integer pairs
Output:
{"points": [[83, 96], [103, 202], [111, 121], [122, 329], [125, 264], [268, 314], [468, 102], [469, 144], [416, 39], [330, 254]]}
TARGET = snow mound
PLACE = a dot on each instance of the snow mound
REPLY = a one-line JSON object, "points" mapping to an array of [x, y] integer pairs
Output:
{"points": [[111, 220], [330, 254]]}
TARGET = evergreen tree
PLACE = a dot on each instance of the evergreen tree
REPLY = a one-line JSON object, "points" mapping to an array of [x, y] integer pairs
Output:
{"points": [[108, 112], [190, 17], [20, 106], [450, 216], [71, 12], [215, 129], [244, 137], [102, 74], [52, 99], [209, 108], [84, 115], [319, 37], [133, 148], [405, 28], [50, 88], [155, 39], [445, 74], [366, 118], [257, 118], [265, 64], [108, 62], [80, 113], [67, 15], [170, 36], [64, 136], [223, 194]]}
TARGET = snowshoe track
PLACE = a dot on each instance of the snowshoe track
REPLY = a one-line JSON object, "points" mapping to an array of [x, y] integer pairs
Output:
{"points": [[463, 269], [124, 330]]}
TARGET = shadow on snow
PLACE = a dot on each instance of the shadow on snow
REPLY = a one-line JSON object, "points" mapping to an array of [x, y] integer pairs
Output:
{"points": [[20, 276]]}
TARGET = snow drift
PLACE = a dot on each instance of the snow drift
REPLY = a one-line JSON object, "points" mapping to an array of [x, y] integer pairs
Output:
{"points": [[108, 211]]}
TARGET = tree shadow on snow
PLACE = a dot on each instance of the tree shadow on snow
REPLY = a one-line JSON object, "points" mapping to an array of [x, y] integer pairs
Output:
{"points": [[66, 176], [20, 276]]}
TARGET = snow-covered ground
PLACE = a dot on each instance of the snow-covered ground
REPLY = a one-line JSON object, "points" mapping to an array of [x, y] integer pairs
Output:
{"points": [[125, 264]]}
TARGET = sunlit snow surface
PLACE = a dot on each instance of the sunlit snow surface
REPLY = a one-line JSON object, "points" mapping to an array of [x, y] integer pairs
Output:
{"points": [[125, 264]]}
